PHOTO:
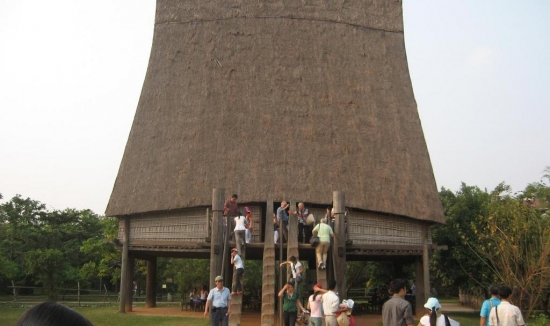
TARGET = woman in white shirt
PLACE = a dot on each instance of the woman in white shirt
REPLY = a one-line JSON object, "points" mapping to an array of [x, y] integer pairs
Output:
{"points": [[434, 317]]}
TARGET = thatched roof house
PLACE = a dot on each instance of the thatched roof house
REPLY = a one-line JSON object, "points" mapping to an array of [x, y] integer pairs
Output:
{"points": [[277, 99]]}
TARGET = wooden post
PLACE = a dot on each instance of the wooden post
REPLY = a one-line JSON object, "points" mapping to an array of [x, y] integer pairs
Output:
{"points": [[292, 244], [216, 238], [78, 294], [281, 240], [130, 283], [124, 266], [268, 270], [339, 248], [425, 261], [420, 295], [150, 283]]}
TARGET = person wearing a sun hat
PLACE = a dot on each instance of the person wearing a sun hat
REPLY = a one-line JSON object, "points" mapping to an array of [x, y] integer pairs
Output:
{"points": [[239, 271], [314, 305], [434, 317], [218, 298]]}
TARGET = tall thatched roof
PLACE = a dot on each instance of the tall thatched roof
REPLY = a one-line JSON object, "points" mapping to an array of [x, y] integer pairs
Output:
{"points": [[277, 99]]}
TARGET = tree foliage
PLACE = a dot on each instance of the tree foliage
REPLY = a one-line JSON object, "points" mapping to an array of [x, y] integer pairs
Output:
{"points": [[41, 247], [496, 238]]}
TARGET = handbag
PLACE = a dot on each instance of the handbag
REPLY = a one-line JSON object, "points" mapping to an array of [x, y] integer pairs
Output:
{"points": [[314, 241]]}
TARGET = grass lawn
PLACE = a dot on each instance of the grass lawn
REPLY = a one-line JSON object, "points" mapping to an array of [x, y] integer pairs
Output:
{"points": [[109, 316]]}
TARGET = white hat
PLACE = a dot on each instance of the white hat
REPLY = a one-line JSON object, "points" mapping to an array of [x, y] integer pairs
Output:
{"points": [[431, 303], [349, 303]]}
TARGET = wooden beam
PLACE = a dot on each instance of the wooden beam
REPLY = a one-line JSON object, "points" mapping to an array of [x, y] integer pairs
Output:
{"points": [[124, 264], [151, 283], [268, 270], [216, 238], [425, 261], [339, 248]]}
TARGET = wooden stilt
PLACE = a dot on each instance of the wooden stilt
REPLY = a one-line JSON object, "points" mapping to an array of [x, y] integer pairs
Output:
{"points": [[130, 283], [151, 286], [420, 295], [268, 270], [425, 261], [339, 248], [124, 265], [216, 238]]}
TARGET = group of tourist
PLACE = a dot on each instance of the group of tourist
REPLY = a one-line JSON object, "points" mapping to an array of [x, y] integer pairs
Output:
{"points": [[495, 311]]}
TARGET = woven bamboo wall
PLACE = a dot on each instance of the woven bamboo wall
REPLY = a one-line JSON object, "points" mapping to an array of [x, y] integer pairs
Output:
{"points": [[371, 228], [187, 225]]}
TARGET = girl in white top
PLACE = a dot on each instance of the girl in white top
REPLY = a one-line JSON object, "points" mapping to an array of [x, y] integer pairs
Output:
{"points": [[434, 317]]}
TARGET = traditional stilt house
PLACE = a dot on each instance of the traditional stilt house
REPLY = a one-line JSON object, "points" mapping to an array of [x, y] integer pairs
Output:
{"points": [[276, 100]]}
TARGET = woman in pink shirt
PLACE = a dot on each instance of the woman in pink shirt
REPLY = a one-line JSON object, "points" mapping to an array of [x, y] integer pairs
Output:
{"points": [[314, 305]]}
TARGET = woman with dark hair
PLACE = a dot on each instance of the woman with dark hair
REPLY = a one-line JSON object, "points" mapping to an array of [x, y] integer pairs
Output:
{"points": [[434, 317], [52, 314], [290, 304], [314, 305]]}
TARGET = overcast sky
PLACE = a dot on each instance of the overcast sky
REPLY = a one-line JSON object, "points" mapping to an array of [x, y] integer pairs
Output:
{"points": [[71, 74]]}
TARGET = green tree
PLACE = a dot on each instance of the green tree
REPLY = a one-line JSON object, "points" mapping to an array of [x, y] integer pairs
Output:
{"points": [[457, 267]]}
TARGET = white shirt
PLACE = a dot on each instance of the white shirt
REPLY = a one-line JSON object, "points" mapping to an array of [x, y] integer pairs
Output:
{"points": [[330, 303], [440, 321], [238, 262], [239, 223], [295, 269], [508, 315]]}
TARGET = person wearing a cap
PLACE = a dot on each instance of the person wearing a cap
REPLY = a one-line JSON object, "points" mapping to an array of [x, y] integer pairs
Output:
{"points": [[218, 298], [291, 304], [239, 271], [434, 317], [249, 226], [397, 311], [314, 305]]}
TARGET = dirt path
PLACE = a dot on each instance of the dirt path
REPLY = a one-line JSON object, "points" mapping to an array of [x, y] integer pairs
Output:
{"points": [[252, 318], [247, 318]]}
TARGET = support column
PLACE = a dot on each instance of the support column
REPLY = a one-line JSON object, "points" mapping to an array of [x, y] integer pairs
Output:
{"points": [[292, 244], [425, 261], [130, 283], [339, 249], [268, 270], [151, 284], [216, 238], [420, 295], [124, 265]]}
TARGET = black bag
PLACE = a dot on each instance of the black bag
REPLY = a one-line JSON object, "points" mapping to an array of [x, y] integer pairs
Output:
{"points": [[314, 241]]}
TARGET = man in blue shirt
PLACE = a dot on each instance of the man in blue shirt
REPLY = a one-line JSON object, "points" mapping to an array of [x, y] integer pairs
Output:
{"points": [[487, 305], [218, 298]]}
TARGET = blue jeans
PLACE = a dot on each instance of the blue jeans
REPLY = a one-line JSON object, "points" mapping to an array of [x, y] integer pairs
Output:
{"points": [[316, 321], [289, 318], [219, 316]]}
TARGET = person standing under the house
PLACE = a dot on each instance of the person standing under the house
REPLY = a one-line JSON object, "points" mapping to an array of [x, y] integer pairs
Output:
{"points": [[239, 271], [487, 305], [324, 232], [291, 304], [397, 311], [240, 231], [230, 210], [282, 219], [249, 226], [304, 230], [505, 314], [218, 298]]}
